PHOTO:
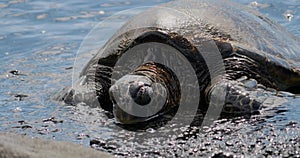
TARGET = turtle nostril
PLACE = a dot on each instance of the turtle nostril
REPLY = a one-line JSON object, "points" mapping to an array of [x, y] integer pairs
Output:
{"points": [[141, 93]]}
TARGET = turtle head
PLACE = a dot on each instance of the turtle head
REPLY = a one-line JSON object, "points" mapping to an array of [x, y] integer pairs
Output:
{"points": [[141, 96], [137, 99]]}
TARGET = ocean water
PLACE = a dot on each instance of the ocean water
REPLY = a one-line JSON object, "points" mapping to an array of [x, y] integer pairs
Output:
{"points": [[39, 41]]}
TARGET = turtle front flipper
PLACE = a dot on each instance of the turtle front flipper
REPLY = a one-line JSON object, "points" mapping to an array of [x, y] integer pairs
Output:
{"points": [[241, 97]]}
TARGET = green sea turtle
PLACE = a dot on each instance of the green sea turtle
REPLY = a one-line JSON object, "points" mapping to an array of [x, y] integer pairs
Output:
{"points": [[256, 53]]}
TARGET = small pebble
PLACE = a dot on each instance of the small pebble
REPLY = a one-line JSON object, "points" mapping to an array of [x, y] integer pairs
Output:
{"points": [[21, 96], [55, 130], [243, 78], [150, 130], [289, 15], [41, 16], [26, 126], [23, 127], [14, 72], [291, 124], [229, 143], [17, 109], [271, 90], [53, 119], [101, 12], [21, 122], [82, 136], [261, 86], [95, 142], [255, 4], [251, 84]]}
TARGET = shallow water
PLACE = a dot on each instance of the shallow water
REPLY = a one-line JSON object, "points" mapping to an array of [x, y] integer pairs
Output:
{"points": [[38, 45]]}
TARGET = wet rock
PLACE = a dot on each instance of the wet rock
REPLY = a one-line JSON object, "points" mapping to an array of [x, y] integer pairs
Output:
{"points": [[21, 97], [291, 124], [20, 146], [289, 15], [255, 4], [69, 68], [55, 130], [14, 72], [21, 122], [285, 94], [229, 143], [222, 155], [95, 142], [272, 90], [23, 127], [261, 86], [17, 109], [243, 78], [251, 84], [82, 136], [43, 131], [53, 119]]}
